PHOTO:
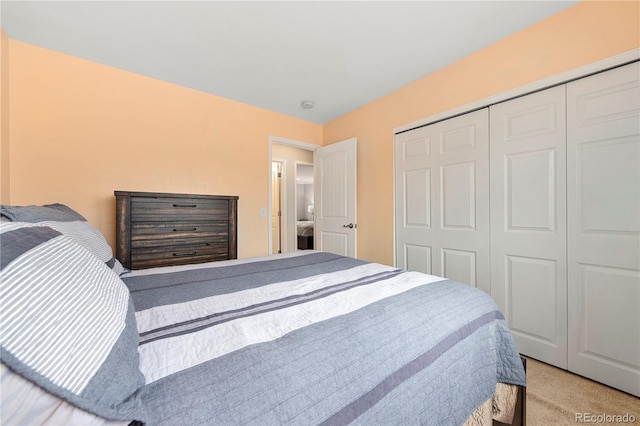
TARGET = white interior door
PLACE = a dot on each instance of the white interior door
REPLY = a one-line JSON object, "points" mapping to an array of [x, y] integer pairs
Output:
{"points": [[604, 227], [442, 199], [335, 198], [528, 221]]}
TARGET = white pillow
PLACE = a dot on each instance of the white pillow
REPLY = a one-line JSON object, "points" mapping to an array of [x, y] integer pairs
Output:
{"points": [[69, 222], [67, 322]]}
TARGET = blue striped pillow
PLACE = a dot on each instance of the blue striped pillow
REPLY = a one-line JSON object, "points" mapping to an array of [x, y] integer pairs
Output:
{"points": [[67, 321], [69, 222]]}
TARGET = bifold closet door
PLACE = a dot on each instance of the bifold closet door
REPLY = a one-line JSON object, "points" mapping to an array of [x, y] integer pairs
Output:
{"points": [[528, 221], [603, 168], [442, 199]]}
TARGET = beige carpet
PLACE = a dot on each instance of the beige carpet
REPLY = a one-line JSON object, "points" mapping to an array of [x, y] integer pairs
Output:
{"points": [[555, 397]]}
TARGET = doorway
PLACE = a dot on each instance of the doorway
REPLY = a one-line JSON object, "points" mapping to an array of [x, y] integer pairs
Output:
{"points": [[294, 158], [334, 209]]}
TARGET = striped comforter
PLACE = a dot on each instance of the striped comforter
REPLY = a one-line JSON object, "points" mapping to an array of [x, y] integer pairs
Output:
{"points": [[315, 338]]}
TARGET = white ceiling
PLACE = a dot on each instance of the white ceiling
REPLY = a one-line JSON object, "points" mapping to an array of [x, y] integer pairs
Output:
{"points": [[275, 54]]}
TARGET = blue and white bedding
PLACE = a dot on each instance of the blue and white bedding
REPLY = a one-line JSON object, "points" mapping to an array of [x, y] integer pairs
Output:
{"points": [[304, 228], [67, 322], [69, 222], [305, 338], [315, 338]]}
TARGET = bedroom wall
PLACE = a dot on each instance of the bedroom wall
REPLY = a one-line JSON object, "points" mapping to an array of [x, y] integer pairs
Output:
{"points": [[80, 130], [581, 34], [4, 118]]}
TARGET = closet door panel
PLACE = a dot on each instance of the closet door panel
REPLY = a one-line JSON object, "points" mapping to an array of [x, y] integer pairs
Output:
{"points": [[530, 191], [442, 208], [603, 167], [605, 174], [532, 285], [459, 265], [528, 221], [463, 199], [458, 184], [414, 198], [417, 258]]}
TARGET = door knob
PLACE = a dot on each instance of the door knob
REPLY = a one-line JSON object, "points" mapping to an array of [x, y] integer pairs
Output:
{"points": [[350, 225]]}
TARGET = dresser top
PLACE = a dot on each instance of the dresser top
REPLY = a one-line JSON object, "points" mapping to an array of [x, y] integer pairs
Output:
{"points": [[170, 195]]}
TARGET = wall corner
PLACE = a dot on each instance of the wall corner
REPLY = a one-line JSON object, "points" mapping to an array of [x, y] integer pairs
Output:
{"points": [[5, 165]]}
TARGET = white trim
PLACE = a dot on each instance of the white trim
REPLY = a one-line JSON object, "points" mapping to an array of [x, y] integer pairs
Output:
{"points": [[283, 201], [280, 141], [582, 71], [394, 263], [292, 142]]}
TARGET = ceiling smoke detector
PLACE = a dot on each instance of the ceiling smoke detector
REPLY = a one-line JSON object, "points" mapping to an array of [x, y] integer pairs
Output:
{"points": [[307, 104]]}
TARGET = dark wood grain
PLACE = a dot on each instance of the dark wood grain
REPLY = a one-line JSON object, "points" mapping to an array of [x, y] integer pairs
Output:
{"points": [[123, 234], [162, 229]]}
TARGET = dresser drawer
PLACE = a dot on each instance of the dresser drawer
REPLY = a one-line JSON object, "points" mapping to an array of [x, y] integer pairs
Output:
{"points": [[166, 256], [145, 234], [176, 209]]}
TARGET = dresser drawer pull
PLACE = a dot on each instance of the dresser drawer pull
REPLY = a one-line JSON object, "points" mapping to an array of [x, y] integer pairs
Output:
{"points": [[185, 253], [186, 205], [184, 229]]}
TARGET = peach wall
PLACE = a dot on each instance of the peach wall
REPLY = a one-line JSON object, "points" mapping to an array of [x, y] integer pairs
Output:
{"points": [[579, 35], [80, 130], [4, 119]]}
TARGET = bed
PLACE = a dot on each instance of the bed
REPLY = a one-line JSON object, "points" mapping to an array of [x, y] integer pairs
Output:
{"points": [[303, 338], [304, 230]]}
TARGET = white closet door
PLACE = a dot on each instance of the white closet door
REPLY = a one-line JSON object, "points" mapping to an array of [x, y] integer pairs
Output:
{"points": [[415, 162], [442, 199], [604, 227], [463, 199], [528, 221]]}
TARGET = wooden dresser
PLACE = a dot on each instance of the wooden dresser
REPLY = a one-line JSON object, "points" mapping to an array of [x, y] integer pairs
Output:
{"points": [[158, 229]]}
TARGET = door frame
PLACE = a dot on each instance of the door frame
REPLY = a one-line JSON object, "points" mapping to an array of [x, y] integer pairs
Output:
{"points": [[547, 82], [281, 202], [288, 142]]}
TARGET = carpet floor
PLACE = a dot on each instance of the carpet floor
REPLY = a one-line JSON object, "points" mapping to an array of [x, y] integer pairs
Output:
{"points": [[557, 397]]}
